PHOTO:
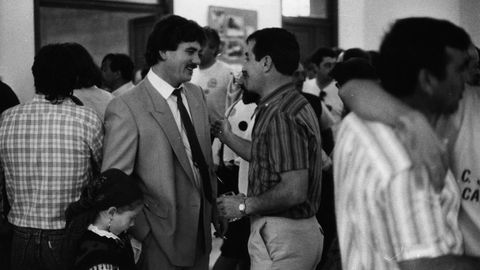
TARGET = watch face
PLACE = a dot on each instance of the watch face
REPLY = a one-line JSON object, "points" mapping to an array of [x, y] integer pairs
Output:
{"points": [[241, 207]]}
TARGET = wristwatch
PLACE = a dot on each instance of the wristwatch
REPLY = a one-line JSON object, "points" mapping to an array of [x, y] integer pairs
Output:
{"points": [[242, 207]]}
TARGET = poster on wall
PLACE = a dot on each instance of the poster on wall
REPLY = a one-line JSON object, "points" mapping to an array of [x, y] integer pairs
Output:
{"points": [[233, 25]]}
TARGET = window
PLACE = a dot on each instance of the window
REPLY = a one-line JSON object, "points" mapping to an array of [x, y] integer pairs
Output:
{"points": [[305, 8]]}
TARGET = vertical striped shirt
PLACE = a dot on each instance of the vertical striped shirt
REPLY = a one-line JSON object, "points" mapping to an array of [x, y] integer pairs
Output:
{"points": [[286, 137], [47, 153], [385, 214]]}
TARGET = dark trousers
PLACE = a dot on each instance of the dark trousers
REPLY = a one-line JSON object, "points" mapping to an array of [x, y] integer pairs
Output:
{"points": [[34, 249]]}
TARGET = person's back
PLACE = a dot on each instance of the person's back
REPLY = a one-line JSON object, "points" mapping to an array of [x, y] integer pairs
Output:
{"points": [[46, 153], [367, 210], [49, 147]]}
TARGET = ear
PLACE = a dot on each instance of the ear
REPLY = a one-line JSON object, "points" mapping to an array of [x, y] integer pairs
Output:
{"points": [[267, 63], [163, 55], [111, 211], [427, 81]]}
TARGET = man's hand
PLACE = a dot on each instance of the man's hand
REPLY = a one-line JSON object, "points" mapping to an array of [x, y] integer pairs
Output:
{"points": [[228, 206], [221, 128], [221, 227]]}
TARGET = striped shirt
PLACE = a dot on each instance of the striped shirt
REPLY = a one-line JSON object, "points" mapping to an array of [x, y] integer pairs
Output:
{"points": [[384, 214], [286, 137], [47, 153]]}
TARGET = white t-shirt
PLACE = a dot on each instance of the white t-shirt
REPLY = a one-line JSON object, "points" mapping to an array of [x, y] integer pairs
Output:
{"points": [[239, 116], [331, 99], [462, 131], [214, 81]]}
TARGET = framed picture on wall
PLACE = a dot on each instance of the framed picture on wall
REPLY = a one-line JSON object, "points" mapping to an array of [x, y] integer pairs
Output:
{"points": [[233, 25]]}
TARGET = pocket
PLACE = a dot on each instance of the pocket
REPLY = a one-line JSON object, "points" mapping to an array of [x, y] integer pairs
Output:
{"points": [[54, 247], [263, 237]]}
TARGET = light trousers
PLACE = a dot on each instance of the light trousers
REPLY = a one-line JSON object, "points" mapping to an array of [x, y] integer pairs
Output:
{"points": [[283, 243]]}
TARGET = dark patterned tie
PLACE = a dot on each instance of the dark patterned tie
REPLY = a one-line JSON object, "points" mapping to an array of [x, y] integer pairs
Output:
{"points": [[197, 155]]}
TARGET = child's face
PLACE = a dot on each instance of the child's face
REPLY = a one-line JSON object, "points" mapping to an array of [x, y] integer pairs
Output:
{"points": [[121, 221]]}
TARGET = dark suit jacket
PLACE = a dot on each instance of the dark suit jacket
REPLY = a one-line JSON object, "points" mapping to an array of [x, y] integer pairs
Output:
{"points": [[142, 138]]}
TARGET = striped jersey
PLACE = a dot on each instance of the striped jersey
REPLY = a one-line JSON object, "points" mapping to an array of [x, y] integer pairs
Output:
{"points": [[385, 214]]}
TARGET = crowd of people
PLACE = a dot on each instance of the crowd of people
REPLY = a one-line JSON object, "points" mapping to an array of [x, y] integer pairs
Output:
{"points": [[349, 160]]}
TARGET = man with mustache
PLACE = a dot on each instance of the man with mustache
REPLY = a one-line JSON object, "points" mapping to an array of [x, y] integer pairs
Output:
{"points": [[285, 160], [159, 132]]}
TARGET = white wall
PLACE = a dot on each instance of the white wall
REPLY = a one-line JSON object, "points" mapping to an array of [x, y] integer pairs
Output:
{"points": [[269, 13], [470, 19], [17, 46], [362, 23]]}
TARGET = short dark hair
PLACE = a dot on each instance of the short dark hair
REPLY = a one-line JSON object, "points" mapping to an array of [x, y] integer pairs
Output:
{"points": [[280, 45], [317, 57], [353, 68], [53, 72], [212, 36], [120, 62], [413, 44], [168, 32], [88, 72], [355, 53]]}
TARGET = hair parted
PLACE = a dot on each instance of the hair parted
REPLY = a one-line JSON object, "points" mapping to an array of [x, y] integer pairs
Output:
{"points": [[168, 33]]}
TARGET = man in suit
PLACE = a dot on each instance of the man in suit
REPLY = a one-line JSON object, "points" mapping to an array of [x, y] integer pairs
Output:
{"points": [[151, 132]]}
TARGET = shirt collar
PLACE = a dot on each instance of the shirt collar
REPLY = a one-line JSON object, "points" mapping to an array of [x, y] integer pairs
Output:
{"points": [[162, 87], [101, 232], [275, 95], [40, 98]]}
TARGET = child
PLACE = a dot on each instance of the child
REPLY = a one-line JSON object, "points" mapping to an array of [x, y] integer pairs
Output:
{"points": [[96, 223]]}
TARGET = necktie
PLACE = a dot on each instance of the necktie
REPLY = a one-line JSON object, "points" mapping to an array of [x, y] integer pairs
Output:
{"points": [[197, 155]]}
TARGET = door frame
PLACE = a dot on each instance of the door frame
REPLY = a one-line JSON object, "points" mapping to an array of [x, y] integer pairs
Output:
{"points": [[163, 7]]}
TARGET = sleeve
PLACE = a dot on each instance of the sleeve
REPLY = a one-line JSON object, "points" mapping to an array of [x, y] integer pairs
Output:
{"points": [[96, 144], [287, 143], [412, 223], [121, 137]]}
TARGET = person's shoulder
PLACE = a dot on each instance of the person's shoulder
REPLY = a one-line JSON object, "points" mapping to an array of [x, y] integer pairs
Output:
{"points": [[379, 142], [292, 102]]}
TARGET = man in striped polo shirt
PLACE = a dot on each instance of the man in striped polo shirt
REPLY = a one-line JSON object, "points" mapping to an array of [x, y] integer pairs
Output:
{"points": [[285, 160], [390, 213]]}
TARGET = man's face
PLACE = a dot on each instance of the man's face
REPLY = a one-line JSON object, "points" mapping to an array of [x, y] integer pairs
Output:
{"points": [[181, 62], [447, 92], [208, 53], [252, 70], [324, 67], [108, 75], [298, 78]]}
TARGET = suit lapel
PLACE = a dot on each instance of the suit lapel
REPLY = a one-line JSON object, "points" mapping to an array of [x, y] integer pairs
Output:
{"points": [[162, 114]]}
